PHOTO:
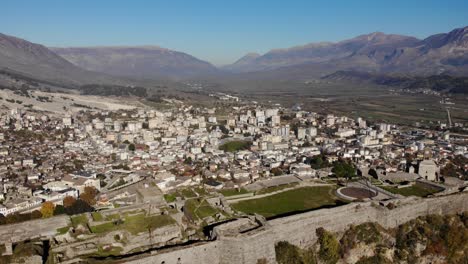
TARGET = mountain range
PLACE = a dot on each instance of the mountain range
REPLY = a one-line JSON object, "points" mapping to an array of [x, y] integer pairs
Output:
{"points": [[146, 62], [376, 53], [445, 53], [21, 57]]}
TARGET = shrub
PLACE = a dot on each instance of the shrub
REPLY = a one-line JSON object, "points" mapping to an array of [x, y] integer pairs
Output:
{"points": [[329, 246], [287, 253], [367, 233]]}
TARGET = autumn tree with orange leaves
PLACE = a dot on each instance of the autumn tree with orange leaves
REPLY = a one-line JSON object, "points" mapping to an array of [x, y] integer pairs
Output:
{"points": [[47, 209]]}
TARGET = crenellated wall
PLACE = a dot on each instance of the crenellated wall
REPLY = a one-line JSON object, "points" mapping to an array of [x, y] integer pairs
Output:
{"points": [[300, 230]]}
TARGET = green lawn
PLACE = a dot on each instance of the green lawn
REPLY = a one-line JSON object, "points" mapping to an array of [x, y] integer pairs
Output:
{"points": [[414, 190], [199, 210], [103, 228], [300, 199], [135, 224], [62, 230], [187, 193], [80, 219], [112, 217], [232, 192], [234, 146], [170, 198], [97, 216], [201, 191]]}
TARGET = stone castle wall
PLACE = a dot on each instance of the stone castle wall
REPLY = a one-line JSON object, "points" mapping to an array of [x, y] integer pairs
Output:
{"points": [[199, 253], [300, 230]]}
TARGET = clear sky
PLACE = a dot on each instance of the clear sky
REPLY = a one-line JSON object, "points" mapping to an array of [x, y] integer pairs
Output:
{"points": [[222, 31]]}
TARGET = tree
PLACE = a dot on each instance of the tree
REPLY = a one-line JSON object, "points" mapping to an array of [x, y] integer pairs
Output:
{"points": [[47, 209], [188, 160], [342, 169], [131, 147], [373, 173], [277, 171], [78, 207], [59, 209], [36, 214], [317, 162], [68, 201], [89, 195]]}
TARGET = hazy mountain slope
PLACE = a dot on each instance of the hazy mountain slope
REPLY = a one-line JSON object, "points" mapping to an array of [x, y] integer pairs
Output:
{"points": [[375, 52], [241, 63], [137, 62], [21, 56], [374, 44]]}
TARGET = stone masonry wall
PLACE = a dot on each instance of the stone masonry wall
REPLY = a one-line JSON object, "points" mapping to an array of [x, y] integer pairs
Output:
{"points": [[300, 230], [200, 253]]}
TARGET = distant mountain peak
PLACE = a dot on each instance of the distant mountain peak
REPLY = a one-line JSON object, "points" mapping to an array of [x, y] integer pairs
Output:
{"points": [[247, 57], [375, 35], [252, 55]]}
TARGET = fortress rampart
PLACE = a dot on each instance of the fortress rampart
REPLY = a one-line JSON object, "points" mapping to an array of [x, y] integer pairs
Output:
{"points": [[300, 229]]}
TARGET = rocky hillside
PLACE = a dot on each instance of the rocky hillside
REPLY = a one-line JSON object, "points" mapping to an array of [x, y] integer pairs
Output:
{"points": [[19, 56], [376, 52], [429, 239], [137, 62]]}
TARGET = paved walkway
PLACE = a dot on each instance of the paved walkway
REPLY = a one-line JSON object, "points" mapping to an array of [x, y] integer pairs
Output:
{"points": [[31, 229]]}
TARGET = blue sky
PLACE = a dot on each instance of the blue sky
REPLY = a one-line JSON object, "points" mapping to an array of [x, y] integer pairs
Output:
{"points": [[222, 31]]}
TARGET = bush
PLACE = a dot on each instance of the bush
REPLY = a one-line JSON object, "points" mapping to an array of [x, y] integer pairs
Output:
{"points": [[287, 253], [18, 218], [329, 246], [367, 233]]}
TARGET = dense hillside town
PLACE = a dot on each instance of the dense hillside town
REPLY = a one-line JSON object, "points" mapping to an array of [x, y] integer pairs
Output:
{"points": [[177, 173], [47, 158]]}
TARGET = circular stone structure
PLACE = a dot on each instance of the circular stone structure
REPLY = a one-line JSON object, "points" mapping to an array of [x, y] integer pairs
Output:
{"points": [[354, 193]]}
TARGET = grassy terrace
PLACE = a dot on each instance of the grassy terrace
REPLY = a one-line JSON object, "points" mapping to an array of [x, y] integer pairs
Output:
{"points": [[198, 210], [63, 230], [296, 200], [234, 146], [79, 220], [134, 224], [185, 193], [97, 216], [414, 190], [232, 192]]}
